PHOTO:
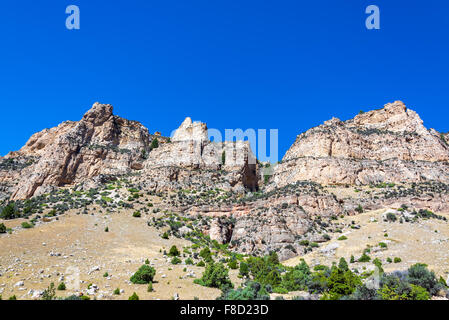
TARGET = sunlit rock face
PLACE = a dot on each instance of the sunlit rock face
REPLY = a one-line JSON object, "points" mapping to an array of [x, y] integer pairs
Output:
{"points": [[386, 145]]}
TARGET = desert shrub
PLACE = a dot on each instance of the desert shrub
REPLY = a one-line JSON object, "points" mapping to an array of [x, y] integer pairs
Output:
{"points": [[150, 287], [280, 290], [318, 280], [117, 292], [395, 286], [364, 293], [154, 144], [391, 217], [61, 286], [144, 275], [397, 260], [134, 297], [364, 258], [378, 264], [233, 264], [215, 276], [137, 214], [189, 261], [298, 278], [200, 264], [9, 212], [359, 209], [26, 225], [49, 293], [342, 238], [265, 270], [175, 260], [251, 291], [244, 269], [165, 235], [343, 265], [206, 254], [341, 283], [174, 252], [2, 228], [383, 245], [419, 275]]}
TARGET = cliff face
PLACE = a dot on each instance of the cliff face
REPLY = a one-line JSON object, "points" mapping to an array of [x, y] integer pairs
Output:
{"points": [[102, 144], [382, 158], [386, 145]]}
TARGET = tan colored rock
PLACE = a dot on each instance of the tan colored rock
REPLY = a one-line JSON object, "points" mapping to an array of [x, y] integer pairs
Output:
{"points": [[386, 145], [100, 143]]}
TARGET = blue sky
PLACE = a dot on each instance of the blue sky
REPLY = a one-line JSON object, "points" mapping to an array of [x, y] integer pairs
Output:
{"points": [[287, 65]]}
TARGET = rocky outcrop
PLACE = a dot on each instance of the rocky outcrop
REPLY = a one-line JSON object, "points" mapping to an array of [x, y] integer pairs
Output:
{"points": [[104, 144], [386, 145], [100, 143], [192, 159]]}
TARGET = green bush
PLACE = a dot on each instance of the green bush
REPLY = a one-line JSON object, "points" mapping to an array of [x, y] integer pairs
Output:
{"points": [[134, 297], [396, 286], [117, 292], [233, 264], [175, 260], [206, 254], [215, 276], [265, 270], [200, 264], [342, 238], [397, 260], [364, 258], [250, 291], [280, 290], [61, 286], [297, 278], [244, 269], [154, 144], [9, 212], [26, 225], [341, 283], [174, 252], [391, 217], [2, 228], [419, 275], [49, 293], [136, 214], [144, 275]]}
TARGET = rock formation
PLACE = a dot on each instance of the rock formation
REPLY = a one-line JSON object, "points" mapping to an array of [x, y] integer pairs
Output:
{"points": [[386, 145], [102, 144], [380, 158]]}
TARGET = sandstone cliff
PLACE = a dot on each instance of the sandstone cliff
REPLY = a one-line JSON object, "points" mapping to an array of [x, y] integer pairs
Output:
{"points": [[386, 145], [102, 144]]}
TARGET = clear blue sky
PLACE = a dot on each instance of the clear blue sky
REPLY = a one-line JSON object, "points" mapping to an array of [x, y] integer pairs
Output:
{"points": [[287, 65]]}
